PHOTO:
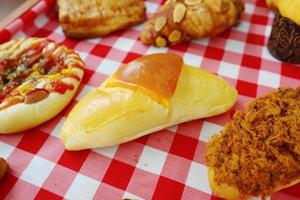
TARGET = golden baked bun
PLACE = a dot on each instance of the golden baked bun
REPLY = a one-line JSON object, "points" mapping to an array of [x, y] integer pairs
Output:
{"points": [[38, 78], [228, 192], [257, 152], [146, 95], [86, 18]]}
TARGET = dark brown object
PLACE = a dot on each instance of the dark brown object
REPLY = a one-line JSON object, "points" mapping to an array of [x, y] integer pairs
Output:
{"points": [[3, 168], [284, 42], [258, 152]]}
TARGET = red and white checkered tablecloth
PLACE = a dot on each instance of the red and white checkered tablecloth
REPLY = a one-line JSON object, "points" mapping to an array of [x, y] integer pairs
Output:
{"points": [[168, 164]]}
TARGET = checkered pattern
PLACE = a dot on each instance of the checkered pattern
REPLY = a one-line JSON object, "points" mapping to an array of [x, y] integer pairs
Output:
{"points": [[168, 164]]}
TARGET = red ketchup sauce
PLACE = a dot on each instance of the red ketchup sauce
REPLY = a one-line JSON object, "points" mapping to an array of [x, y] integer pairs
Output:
{"points": [[47, 65]]}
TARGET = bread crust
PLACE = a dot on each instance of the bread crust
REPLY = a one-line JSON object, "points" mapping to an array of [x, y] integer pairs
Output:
{"points": [[87, 19], [23, 116], [110, 116], [4, 168], [228, 192]]}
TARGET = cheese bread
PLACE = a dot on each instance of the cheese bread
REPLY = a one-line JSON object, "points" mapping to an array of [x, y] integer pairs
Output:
{"points": [[146, 95]]}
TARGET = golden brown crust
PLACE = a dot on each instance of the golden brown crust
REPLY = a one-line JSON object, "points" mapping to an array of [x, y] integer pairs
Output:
{"points": [[138, 75], [182, 20], [3, 168], [94, 18], [258, 152]]}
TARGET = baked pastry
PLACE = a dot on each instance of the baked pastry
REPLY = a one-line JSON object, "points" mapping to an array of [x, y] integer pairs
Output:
{"points": [[272, 3], [146, 95], [258, 151], [179, 21], [3, 168], [94, 18], [284, 41], [38, 78]]}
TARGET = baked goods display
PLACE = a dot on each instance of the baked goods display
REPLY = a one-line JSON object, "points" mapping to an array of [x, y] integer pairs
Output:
{"points": [[284, 41], [256, 154], [3, 168], [258, 151], [180, 21], [146, 95], [38, 78], [95, 18]]}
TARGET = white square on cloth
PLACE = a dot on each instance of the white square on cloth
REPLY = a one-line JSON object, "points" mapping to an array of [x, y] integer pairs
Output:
{"points": [[269, 79], [192, 59], [5, 150], [82, 188], [198, 178], [124, 44], [108, 67], [37, 171], [152, 160], [229, 70], [208, 130]]}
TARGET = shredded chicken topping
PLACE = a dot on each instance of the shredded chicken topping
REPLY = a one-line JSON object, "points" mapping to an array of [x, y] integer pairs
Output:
{"points": [[258, 151]]}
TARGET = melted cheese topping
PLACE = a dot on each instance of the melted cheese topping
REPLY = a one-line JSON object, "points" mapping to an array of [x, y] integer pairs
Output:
{"points": [[154, 75]]}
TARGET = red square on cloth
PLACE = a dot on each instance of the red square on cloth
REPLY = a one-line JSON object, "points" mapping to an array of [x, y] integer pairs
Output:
{"points": [[256, 39], [290, 70], [44, 194], [259, 19], [100, 50], [214, 53], [184, 146], [118, 174], [168, 189], [70, 43], [73, 160], [42, 33], [6, 184], [251, 61], [246, 88], [33, 140]]}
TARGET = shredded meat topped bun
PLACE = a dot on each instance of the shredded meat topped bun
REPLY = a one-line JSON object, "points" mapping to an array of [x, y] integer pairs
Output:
{"points": [[258, 152]]}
